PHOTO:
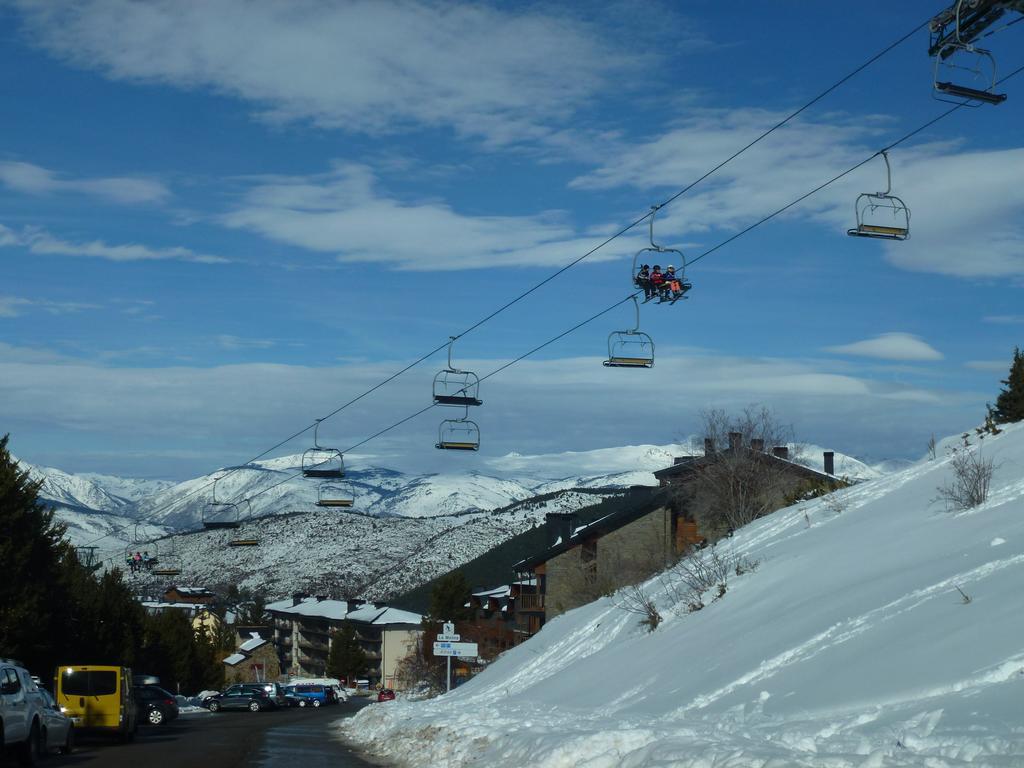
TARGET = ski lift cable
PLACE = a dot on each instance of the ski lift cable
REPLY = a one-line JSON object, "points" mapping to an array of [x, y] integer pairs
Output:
{"points": [[624, 230], [708, 252], [865, 161]]}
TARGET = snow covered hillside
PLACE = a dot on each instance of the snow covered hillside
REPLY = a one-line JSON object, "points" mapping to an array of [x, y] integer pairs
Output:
{"points": [[849, 645], [342, 553]]}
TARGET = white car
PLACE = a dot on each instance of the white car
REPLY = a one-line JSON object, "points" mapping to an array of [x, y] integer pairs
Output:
{"points": [[30, 724]]}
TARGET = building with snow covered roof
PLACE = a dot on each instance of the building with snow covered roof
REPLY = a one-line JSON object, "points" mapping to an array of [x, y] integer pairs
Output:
{"points": [[581, 563], [255, 661], [304, 626]]}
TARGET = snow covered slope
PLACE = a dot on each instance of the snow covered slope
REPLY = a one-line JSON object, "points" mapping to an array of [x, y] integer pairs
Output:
{"points": [[343, 553], [849, 645]]}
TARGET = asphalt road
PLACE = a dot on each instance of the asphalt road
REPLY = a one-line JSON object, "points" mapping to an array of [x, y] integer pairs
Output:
{"points": [[226, 740]]}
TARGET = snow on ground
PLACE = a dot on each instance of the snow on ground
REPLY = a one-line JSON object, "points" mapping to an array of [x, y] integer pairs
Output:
{"points": [[850, 645]]}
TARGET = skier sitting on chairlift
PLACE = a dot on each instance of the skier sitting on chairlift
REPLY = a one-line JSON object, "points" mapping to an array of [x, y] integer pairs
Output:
{"points": [[657, 281], [643, 280], [674, 286]]}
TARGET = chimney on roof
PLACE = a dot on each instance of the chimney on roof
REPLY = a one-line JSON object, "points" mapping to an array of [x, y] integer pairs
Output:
{"points": [[757, 444], [735, 441], [298, 597], [709, 446], [355, 602], [780, 451], [830, 462], [560, 525]]}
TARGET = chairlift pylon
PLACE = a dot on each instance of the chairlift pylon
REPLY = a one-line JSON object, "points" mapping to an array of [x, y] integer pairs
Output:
{"points": [[456, 387], [660, 253], [630, 348], [458, 434], [870, 207], [321, 462]]}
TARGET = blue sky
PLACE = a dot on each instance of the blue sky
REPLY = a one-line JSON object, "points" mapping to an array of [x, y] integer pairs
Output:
{"points": [[221, 220]]}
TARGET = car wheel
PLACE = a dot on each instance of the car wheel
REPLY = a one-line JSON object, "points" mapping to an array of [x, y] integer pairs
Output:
{"points": [[302, 704], [214, 706], [155, 717], [255, 706], [316, 702], [29, 749], [69, 742]]}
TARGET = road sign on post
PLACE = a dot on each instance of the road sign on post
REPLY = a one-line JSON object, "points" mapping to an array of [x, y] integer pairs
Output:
{"points": [[468, 650]]}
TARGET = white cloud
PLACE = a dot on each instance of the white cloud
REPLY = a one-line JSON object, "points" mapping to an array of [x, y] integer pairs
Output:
{"points": [[999, 366], [12, 306], [1004, 319], [535, 407], [226, 341], [42, 243], [967, 207], [342, 213], [369, 65], [890, 346], [35, 180]]}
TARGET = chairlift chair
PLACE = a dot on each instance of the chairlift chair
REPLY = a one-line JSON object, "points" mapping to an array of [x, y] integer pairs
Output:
{"points": [[631, 348], [244, 541], [953, 34], [320, 462], [659, 253], [87, 558], [167, 565], [335, 495], [456, 387], [219, 514], [872, 210], [458, 435]]}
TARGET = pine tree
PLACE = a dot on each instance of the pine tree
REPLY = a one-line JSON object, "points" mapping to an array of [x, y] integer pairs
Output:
{"points": [[449, 597], [31, 550], [347, 659], [1009, 406]]}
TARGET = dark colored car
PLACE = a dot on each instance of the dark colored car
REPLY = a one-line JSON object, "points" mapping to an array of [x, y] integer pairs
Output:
{"points": [[155, 705], [385, 694], [275, 692], [255, 698]]}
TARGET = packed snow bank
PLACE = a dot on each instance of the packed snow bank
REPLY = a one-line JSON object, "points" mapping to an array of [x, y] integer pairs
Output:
{"points": [[850, 645]]}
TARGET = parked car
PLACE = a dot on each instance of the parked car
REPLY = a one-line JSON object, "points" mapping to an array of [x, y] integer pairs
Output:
{"points": [[293, 699], [155, 705], [255, 699], [385, 694], [274, 690], [98, 698], [58, 730], [21, 712], [317, 694]]}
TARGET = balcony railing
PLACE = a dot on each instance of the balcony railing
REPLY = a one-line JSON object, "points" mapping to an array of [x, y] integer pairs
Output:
{"points": [[530, 602]]}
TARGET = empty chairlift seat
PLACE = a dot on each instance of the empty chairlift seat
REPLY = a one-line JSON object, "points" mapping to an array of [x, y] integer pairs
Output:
{"points": [[630, 349], [881, 215], [335, 495], [458, 435]]}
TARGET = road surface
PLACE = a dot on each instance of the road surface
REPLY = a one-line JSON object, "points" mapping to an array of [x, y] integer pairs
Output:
{"points": [[227, 740]]}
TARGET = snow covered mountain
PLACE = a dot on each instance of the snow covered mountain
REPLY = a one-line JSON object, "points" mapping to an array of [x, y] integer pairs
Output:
{"points": [[877, 629], [274, 501], [341, 553]]}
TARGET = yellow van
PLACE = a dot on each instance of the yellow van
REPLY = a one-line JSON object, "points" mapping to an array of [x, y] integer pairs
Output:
{"points": [[97, 698]]}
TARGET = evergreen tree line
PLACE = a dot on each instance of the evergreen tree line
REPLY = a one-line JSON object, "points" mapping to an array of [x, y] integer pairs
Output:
{"points": [[54, 611]]}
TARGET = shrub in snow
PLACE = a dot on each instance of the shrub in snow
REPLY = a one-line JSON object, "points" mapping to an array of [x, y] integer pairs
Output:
{"points": [[635, 600], [702, 570], [972, 477]]}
